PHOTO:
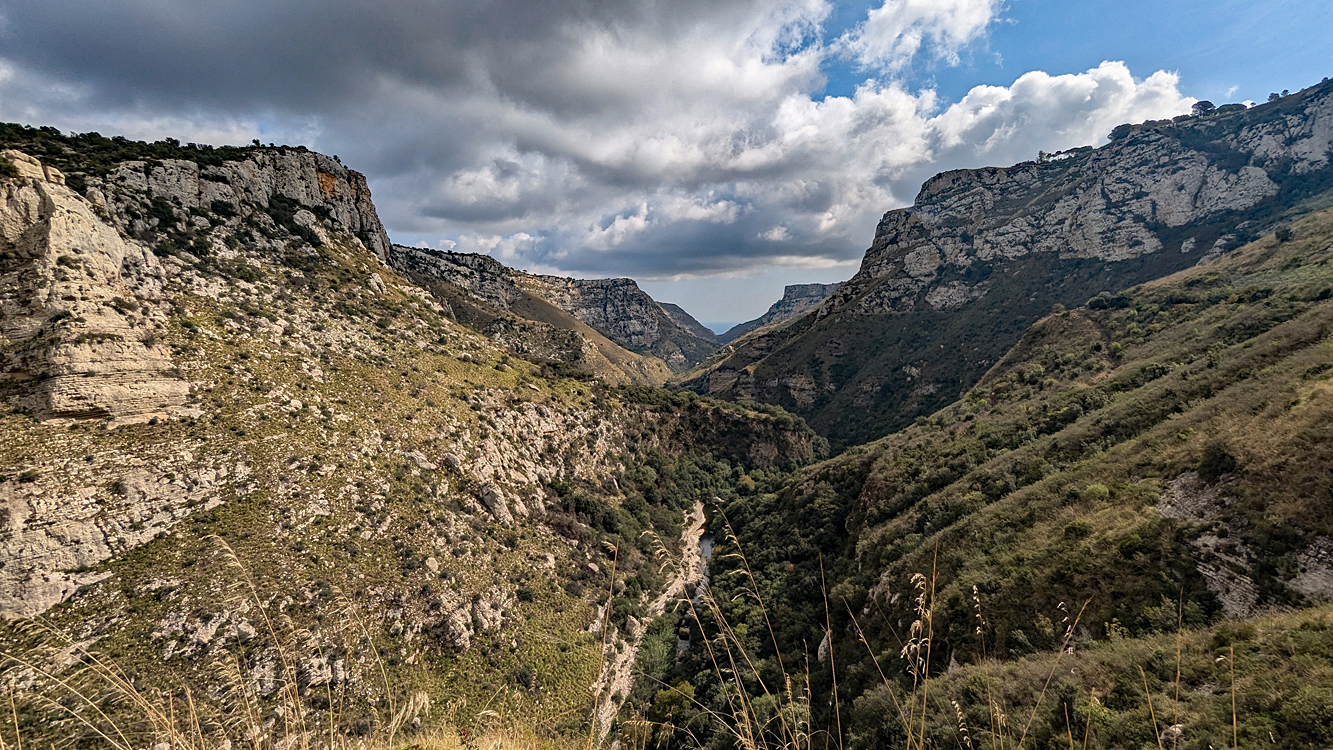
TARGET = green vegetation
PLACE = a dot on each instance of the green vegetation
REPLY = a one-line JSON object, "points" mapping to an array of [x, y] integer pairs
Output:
{"points": [[94, 154], [1112, 455]]}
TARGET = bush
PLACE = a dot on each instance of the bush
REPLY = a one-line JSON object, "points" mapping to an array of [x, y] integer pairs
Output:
{"points": [[1284, 234], [1310, 711], [1216, 462], [1095, 493]]}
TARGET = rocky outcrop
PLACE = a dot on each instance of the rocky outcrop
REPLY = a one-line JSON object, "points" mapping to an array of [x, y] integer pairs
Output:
{"points": [[65, 518], [797, 299], [616, 308], [143, 196], [81, 318], [951, 282], [687, 321]]}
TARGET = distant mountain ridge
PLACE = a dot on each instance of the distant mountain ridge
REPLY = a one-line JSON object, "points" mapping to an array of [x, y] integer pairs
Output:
{"points": [[616, 308], [950, 283], [688, 322], [796, 300]]}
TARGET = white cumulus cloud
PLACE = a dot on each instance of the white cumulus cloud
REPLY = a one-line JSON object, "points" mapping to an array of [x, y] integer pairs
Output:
{"points": [[657, 140]]}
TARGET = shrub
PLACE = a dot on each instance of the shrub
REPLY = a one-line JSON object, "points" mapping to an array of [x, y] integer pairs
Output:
{"points": [[1095, 493], [1310, 711], [1216, 462]]}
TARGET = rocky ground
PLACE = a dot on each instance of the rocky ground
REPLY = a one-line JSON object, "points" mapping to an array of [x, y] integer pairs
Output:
{"points": [[243, 454]]}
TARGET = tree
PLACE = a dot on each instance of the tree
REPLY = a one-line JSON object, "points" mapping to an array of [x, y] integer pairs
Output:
{"points": [[1273, 97], [1202, 108]]}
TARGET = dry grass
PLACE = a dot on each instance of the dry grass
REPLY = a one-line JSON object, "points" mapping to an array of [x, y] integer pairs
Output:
{"points": [[103, 707]]}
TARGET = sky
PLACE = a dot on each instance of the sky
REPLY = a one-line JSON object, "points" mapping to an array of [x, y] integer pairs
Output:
{"points": [[713, 150]]}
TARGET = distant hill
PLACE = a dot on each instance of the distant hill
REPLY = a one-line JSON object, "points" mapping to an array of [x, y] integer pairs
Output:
{"points": [[688, 322], [616, 308], [796, 300], [951, 282]]}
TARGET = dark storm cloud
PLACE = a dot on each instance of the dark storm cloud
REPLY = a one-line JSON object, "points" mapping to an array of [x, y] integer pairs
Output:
{"points": [[628, 137]]}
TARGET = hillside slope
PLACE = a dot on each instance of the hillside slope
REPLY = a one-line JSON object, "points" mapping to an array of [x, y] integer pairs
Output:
{"points": [[796, 300], [688, 322], [532, 327], [1161, 458], [951, 282], [243, 457], [616, 308]]}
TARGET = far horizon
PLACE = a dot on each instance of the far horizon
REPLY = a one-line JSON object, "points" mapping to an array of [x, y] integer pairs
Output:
{"points": [[721, 328]]}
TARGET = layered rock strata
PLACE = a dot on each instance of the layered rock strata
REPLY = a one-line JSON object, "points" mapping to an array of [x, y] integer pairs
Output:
{"points": [[616, 308]]}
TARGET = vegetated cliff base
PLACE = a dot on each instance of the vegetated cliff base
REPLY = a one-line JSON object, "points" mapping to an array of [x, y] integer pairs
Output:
{"points": [[615, 308], [1158, 460], [294, 482], [951, 282]]}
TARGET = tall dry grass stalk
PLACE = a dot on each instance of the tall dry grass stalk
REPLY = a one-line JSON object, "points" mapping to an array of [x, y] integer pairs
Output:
{"points": [[84, 689], [68, 684]]}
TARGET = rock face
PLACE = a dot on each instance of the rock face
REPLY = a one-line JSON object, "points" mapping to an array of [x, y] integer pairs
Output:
{"points": [[952, 281], [625, 314], [80, 308], [616, 308], [279, 183], [687, 321], [797, 299]]}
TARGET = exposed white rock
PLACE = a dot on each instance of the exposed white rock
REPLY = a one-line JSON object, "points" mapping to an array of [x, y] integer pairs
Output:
{"points": [[494, 499], [79, 317]]}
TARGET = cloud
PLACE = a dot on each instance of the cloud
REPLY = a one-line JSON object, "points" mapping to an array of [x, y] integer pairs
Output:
{"points": [[623, 137], [895, 32]]}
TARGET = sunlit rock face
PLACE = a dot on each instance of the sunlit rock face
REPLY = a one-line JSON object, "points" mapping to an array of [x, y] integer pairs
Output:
{"points": [[949, 283], [79, 307]]}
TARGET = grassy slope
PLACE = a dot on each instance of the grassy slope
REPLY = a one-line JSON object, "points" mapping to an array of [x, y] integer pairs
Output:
{"points": [[569, 338], [608, 356], [336, 528], [1041, 485]]}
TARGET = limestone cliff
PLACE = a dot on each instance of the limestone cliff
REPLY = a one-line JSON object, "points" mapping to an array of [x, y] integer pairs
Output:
{"points": [[81, 317], [950, 282], [797, 299], [616, 308], [227, 383]]}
